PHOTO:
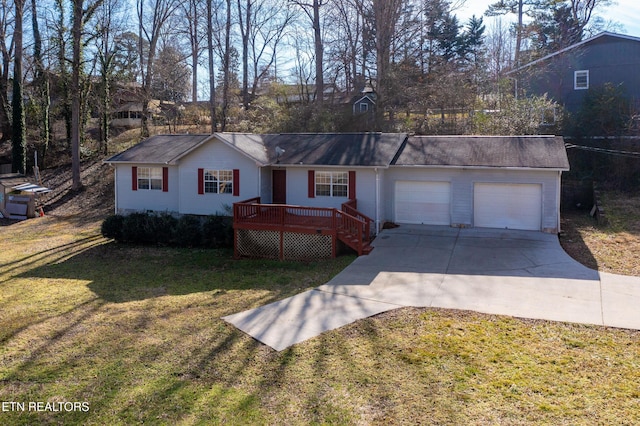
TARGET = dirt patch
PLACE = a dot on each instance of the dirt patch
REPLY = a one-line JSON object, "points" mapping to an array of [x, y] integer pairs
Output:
{"points": [[94, 201], [611, 248]]}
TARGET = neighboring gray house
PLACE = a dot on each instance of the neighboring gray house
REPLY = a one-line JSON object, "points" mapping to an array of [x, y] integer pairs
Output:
{"points": [[567, 75], [483, 181]]}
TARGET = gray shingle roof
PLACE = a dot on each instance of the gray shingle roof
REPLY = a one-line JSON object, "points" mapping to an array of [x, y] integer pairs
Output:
{"points": [[538, 152], [363, 149], [160, 149], [326, 149], [335, 149]]}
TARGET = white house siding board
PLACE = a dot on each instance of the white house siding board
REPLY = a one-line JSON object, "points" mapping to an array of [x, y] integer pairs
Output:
{"points": [[298, 189], [366, 191], [266, 185], [141, 200], [462, 189], [215, 155]]}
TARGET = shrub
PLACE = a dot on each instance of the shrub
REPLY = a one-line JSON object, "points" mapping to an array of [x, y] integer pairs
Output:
{"points": [[165, 228], [112, 227], [138, 228], [188, 231], [217, 231]]}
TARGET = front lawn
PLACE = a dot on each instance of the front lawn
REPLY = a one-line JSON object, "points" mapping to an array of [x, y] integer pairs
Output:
{"points": [[134, 334]]}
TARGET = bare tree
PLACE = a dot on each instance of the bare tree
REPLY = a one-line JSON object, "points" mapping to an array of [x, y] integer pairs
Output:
{"points": [[19, 144], [262, 25], [6, 52], [211, 8], [109, 26], [520, 8], [313, 12], [153, 15], [192, 12], [386, 14], [80, 16]]}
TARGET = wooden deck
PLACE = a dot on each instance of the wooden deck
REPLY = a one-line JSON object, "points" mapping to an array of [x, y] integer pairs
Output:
{"points": [[352, 228]]}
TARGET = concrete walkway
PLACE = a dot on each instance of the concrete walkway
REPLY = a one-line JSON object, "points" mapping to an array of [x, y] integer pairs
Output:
{"points": [[517, 273]]}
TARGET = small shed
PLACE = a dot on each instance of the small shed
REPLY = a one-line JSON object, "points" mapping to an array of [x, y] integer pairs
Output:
{"points": [[18, 196]]}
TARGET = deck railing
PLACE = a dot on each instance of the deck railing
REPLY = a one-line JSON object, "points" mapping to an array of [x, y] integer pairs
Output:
{"points": [[354, 231], [351, 207]]}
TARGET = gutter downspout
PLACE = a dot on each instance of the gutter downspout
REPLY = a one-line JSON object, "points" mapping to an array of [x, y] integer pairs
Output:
{"points": [[115, 187], [377, 200], [259, 181], [558, 196]]}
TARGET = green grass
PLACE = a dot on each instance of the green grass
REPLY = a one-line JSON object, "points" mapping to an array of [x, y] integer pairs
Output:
{"points": [[136, 333]]}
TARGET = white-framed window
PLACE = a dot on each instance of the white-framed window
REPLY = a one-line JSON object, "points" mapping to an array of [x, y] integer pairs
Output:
{"points": [[364, 107], [549, 117], [150, 178], [581, 80], [332, 184], [218, 181]]}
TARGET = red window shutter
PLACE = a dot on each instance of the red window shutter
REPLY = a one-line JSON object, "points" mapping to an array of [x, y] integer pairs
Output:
{"points": [[134, 178], [312, 184], [165, 179], [200, 181], [352, 185], [236, 182]]}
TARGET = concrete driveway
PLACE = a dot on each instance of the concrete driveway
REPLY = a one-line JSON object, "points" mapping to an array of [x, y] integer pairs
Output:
{"points": [[517, 273]]}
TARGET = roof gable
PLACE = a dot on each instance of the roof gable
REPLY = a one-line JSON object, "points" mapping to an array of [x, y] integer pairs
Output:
{"points": [[601, 35], [537, 152], [160, 149]]}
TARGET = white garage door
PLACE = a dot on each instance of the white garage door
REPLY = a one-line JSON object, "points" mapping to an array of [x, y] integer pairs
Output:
{"points": [[423, 202], [512, 206]]}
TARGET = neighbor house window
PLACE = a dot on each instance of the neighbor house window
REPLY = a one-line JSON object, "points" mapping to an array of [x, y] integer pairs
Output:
{"points": [[548, 117], [150, 178], [581, 80], [218, 181], [364, 107], [332, 184]]}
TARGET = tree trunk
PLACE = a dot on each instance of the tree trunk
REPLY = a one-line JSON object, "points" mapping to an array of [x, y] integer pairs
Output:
{"points": [[212, 74], [319, 51], [195, 52], [516, 60], [226, 67], [19, 146], [245, 30], [76, 33], [41, 82]]}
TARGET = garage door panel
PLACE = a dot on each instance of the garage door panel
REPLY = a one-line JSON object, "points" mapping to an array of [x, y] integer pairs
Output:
{"points": [[512, 206], [423, 202]]}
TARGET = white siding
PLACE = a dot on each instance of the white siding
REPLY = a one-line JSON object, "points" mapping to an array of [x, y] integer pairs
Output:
{"points": [[215, 155], [462, 184], [128, 200], [298, 189]]}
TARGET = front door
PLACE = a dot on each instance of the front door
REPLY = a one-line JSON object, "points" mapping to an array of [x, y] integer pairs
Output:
{"points": [[279, 178]]}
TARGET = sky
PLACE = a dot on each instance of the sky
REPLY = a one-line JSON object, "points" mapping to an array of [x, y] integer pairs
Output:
{"points": [[624, 12]]}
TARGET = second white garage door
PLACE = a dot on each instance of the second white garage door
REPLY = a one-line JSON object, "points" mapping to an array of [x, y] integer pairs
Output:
{"points": [[426, 203], [512, 206]]}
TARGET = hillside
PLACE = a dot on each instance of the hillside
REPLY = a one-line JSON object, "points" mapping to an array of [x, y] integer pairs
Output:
{"points": [[95, 199]]}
